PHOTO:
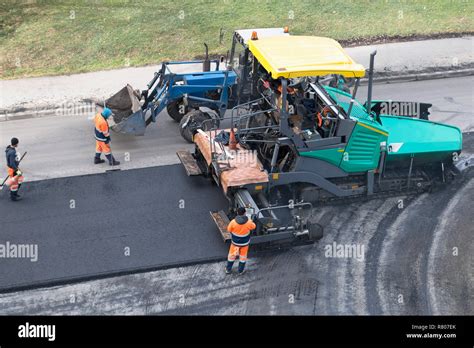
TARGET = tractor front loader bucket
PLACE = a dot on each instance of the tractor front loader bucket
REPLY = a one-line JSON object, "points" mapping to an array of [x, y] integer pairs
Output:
{"points": [[128, 115]]}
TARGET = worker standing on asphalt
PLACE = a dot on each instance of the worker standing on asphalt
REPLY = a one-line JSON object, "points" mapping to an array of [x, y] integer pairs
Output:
{"points": [[240, 229], [15, 176], [102, 137]]}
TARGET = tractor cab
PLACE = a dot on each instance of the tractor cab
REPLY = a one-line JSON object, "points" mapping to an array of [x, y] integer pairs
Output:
{"points": [[298, 62], [241, 59]]}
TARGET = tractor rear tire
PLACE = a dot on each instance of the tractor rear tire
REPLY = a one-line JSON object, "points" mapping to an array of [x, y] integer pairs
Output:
{"points": [[176, 110], [191, 122]]}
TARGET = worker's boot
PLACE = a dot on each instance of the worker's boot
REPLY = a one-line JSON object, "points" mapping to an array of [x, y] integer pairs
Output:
{"points": [[228, 268], [98, 160], [241, 268], [112, 160], [14, 196]]}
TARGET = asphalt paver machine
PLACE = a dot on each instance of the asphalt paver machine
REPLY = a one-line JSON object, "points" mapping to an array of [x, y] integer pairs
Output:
{"points": [[301, 144]]}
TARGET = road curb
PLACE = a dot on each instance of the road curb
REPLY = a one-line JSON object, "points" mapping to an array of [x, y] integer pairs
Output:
{"points": [[87, 107], [65, 110], [420, 76]]}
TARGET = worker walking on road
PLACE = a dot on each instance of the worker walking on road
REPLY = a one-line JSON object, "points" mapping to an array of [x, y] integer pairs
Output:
{"points": [[102, 137], [15, 176], [240, 229]]}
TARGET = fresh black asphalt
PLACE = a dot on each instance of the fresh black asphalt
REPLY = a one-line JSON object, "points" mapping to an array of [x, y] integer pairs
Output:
{"points": [[103, 224]]}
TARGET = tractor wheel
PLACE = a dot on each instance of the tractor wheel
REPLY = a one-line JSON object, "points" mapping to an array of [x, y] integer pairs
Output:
{"points": [[176, 110], [192, 121], [315, 231]]}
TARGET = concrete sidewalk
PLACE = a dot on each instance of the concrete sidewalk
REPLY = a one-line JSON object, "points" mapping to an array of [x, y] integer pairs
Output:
{"points": [[393, 60]]}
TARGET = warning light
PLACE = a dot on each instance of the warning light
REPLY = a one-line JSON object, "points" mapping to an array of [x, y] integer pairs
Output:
{"points": [[286, 30], [254, 36]]}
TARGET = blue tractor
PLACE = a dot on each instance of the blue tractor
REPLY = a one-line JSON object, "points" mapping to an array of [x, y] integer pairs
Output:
{"points": [[194, 99]]}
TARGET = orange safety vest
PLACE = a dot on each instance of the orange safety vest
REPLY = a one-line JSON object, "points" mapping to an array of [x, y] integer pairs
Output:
{"points": [[101, 128], [241, 232]]}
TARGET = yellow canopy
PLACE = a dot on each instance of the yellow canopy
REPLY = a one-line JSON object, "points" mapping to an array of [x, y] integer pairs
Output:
{"points": [[298, 56]]}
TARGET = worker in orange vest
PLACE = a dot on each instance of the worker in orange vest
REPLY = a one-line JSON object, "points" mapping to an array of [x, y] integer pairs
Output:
{"points": [[15, 176], [102, 137], [240, 229]]}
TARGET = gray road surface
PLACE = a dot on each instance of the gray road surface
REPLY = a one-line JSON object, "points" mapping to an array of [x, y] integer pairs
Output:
{"points": [[452, 98], [408, 268], [65, 146]]}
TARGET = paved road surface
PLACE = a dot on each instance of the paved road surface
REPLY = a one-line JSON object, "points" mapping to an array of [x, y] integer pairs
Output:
{"points": [[61, 146], [408, 268], [452, 99], [82, 225]]}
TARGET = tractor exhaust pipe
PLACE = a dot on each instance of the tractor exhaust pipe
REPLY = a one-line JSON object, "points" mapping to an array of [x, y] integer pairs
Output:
{"points": [[371, 75], [206, 65]]}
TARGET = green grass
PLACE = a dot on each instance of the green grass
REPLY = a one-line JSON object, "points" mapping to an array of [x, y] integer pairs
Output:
{"points": [[59, 37]]}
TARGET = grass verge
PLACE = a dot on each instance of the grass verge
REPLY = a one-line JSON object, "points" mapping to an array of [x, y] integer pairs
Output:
{"points": [[61, 37]]}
